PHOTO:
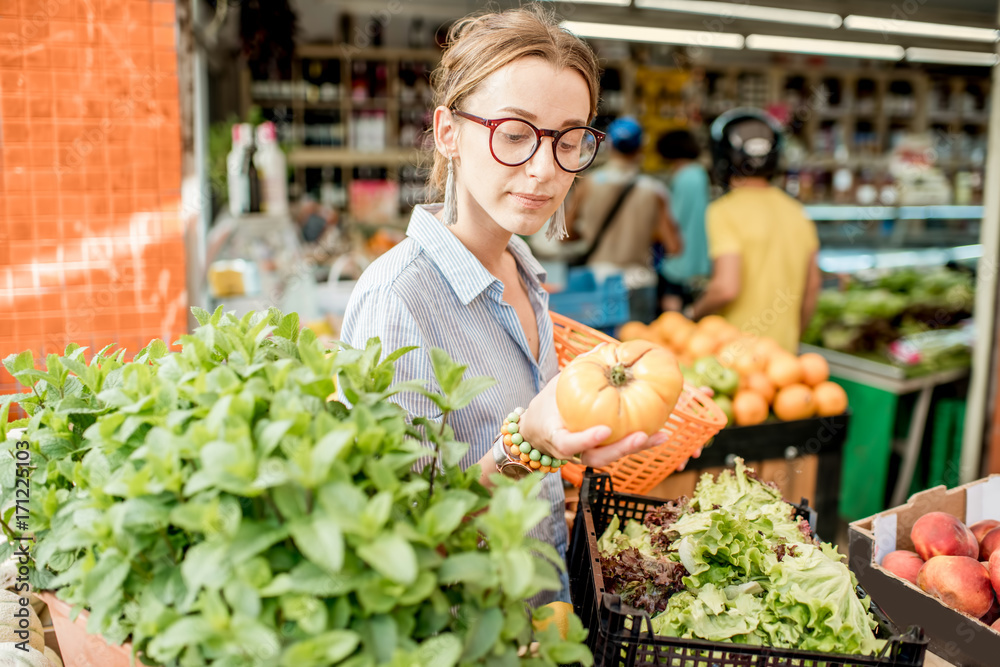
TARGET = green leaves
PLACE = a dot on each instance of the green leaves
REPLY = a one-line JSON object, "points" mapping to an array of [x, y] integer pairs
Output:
{"points": [[484, 631], [217, 506], [325, 649], [456, 393], [392, 557], [321, 541]]}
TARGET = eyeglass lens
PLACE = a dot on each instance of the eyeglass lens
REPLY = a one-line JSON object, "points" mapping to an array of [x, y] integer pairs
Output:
{"points": [[514, 141]]}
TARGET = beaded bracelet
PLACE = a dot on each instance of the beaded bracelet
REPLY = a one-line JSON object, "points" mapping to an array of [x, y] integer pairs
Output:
{"points": [[520, 448]]}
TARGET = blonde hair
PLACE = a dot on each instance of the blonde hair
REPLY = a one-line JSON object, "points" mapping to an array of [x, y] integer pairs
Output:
{"points": [[480, 45]]}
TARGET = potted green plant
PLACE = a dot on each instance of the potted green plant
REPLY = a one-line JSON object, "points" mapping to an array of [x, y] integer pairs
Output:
{"points": [[216, 505]]}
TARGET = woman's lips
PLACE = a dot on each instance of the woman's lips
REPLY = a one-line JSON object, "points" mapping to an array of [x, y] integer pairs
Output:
{"points": [[530, 201]]}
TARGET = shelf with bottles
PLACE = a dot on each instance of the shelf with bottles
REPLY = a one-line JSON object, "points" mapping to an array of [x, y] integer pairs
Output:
{"points": [[321, 157], [368, 194], [372, 86], [348, 109], [947, 190]]}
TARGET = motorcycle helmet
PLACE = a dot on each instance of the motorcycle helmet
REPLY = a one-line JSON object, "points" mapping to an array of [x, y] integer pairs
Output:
{"points": [[745, 142], [625, 134]]}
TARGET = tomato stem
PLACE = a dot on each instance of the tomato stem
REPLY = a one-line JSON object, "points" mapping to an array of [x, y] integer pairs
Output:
{"points": [[618, 375]]}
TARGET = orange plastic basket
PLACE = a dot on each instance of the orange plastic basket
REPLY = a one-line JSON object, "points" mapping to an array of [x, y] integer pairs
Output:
{"points": [[695, 420]]}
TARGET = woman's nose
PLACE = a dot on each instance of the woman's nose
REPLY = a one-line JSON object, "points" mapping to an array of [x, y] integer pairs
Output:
{"points": [[542, 164]]}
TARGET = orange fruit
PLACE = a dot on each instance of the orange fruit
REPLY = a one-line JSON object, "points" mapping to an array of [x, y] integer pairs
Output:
{"points": [[726, 333], [760, 383], [748, 364], [702, 345], [815, 369], [766, 348], [638, 331], [676, 333], [731, 350], [784, 370], [671, 319], [749, 408], [562, 611], [793, 402], [830, 398], [713, 324]]}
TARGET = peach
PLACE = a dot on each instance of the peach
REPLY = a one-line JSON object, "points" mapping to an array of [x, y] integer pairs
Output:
{"points": [[904, 564], [989, 544], [980, 528], [941, 534], [958, 581], [995, 571], [993, 615], [996, 626]]}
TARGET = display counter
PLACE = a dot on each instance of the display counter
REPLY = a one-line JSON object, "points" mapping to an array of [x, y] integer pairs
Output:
{"points": [[874, 390]]}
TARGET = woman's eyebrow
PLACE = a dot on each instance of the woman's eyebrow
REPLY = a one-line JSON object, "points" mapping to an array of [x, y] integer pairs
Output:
{"points": [[533, 118]]}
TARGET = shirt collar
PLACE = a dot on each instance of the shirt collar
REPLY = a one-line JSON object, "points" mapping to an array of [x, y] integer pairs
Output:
{"points": [[466, 275]]}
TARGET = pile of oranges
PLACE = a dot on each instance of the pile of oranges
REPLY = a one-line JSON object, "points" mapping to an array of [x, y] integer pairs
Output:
{"points": [[771, 379]]}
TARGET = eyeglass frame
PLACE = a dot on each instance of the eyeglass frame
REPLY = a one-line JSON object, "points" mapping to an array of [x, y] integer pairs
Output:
{"points": [[494, 123]]}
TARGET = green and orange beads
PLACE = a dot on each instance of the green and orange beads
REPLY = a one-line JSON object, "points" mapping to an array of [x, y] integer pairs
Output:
{"points": [[519, 448]]}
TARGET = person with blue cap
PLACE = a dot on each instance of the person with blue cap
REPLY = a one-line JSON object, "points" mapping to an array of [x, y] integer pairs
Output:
{"points": [[617, 213]]}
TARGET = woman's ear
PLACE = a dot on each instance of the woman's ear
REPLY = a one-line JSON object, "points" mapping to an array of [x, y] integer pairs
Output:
{"points": [[445, 132]]}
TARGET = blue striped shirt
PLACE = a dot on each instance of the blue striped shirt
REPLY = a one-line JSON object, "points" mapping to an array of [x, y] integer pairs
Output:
{"points": [[431, 291]]}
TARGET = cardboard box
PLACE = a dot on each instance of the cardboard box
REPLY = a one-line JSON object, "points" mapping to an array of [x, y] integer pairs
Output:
{"points": [[958, 638]]}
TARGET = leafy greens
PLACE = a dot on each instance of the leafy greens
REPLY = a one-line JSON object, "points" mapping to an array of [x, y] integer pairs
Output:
{"points": [[743, 569]]}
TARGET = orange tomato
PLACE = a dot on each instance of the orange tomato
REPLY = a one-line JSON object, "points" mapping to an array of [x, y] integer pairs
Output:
{"points": [[645, 382]]}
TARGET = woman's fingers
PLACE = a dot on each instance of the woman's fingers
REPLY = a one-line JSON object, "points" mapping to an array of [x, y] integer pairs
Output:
{"points": [[630, 444], [684, 463], [566, 444]]}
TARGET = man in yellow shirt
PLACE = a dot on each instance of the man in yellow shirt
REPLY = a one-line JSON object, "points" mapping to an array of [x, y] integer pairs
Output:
{"points": [[765, 278]]}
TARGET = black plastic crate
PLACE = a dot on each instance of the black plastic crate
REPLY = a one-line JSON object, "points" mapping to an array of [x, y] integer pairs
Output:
{"points": [[622, 635]]}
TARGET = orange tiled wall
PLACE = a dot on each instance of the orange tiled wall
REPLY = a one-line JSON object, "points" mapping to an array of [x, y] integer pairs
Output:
{"points": [[91, 247]]}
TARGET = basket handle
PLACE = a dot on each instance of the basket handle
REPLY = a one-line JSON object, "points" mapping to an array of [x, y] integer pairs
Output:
{"points": [[908, 647]]}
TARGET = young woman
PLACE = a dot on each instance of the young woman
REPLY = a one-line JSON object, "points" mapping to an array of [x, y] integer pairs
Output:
{"points": [[513, 96]]}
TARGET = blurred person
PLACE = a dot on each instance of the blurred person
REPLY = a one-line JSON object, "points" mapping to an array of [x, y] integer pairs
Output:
{"points": [[619, 213], [689, 195], [765, 278]]}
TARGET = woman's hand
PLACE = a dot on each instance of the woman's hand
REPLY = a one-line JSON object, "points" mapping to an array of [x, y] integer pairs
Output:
{"points": [[543, 427]]}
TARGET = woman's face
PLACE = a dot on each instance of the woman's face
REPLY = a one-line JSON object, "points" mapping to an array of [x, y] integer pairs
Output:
{"points": [[519, 199]]}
